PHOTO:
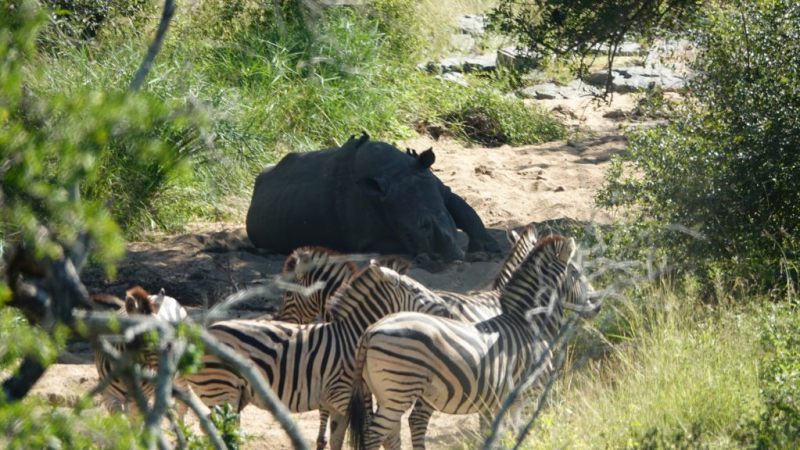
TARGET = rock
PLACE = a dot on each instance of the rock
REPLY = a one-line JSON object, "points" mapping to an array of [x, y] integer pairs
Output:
{"points": [[513, 59], [550, 91], [480, 63], [544, 91], [634, 79], [583, 89], [473, 24], [559, 189], [666, 49], [624, 49], [462, 43]]}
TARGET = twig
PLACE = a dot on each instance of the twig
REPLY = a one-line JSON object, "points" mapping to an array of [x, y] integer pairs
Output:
{"points": [[200, 411], [155, 47], [261, 389]]}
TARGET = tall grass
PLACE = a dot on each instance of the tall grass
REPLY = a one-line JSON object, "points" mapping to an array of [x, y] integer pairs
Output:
{"points": [[267, 92], [678, 375]]}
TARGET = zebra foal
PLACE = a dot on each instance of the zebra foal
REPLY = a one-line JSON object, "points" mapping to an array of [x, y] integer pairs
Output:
{"points": [[461, 368], [138, 302]]}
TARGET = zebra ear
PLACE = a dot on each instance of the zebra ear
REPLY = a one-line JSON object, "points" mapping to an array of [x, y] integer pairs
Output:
{"points": [[512, 236], [159, 299], [378, 271], [303, 264], [567, 252], [291, 264]]}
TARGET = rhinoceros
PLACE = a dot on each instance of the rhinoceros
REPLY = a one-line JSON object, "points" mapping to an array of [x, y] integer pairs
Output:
{"points": [[365, 196]]}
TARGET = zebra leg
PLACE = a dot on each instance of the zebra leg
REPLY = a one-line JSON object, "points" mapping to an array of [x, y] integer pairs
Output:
{"points": [[418, 422], [323, 428], [393, 442], [384, 424], [338, 429]]}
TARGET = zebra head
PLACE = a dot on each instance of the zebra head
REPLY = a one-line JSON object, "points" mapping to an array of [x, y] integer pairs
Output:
{"points": [[139, 302], [378, 291], [306, 267], [521, 244], [549, 278], [578, 292]]}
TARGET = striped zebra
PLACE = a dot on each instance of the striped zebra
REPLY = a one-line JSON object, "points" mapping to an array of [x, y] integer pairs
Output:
{"points": [[461, 368], [310, 366], [319, 265], [137, 303], [310, 265], [305, 267]]}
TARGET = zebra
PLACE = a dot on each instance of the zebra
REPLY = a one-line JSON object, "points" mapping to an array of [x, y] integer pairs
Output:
{"points": [[313, 265], [310, 265], [461, 368], [310, 366], [137, 302], [305, 267]]}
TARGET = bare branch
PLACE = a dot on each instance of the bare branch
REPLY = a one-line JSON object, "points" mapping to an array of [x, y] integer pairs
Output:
{"points": [[155, 47], [201, 412]]}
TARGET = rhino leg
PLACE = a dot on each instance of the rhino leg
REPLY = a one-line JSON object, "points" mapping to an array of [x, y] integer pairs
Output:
{"points": [[467, 220]]}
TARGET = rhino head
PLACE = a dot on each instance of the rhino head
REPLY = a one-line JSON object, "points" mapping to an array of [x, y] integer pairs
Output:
{"points": [[405, 193]]}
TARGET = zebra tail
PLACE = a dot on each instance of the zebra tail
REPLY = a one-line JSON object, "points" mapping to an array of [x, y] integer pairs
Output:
{"points": [[357, 411]]}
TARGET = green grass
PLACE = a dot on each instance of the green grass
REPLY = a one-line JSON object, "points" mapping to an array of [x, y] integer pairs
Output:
{"points": [[265, 94], [678, 375]]}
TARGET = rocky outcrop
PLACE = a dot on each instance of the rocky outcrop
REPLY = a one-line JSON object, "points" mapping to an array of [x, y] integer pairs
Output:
{"points": [[634, 79], [550, 91]]}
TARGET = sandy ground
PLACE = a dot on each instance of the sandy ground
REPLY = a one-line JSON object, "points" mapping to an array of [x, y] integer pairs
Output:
{"points": [[506, 186]]}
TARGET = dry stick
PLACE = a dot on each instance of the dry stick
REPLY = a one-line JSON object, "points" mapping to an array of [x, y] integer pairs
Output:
{"points": [[173, 422], [155, 47], [246, 369], [205, 422], [163, 389]]}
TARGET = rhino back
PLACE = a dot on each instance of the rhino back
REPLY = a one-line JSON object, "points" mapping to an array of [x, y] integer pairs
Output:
{"points": [[292, 203]]}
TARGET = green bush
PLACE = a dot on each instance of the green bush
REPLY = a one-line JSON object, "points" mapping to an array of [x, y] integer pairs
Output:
{"points": [[726, 168], [484, 115], [778, 426]]}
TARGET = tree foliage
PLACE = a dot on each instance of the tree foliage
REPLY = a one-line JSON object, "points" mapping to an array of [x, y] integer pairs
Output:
{"points": [[581, 26], [728, 166]]}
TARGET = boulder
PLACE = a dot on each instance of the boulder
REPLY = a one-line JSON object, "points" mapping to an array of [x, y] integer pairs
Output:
{"points": [[512, 58], [634, 79], [472, 24]]}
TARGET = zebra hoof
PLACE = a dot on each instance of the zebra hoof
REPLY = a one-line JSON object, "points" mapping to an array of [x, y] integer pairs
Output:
{"points": [[321, 445]]}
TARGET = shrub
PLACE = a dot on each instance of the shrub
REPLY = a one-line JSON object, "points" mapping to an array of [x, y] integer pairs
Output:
{"points": [[778, 426], [484, 115], [727, 166]]}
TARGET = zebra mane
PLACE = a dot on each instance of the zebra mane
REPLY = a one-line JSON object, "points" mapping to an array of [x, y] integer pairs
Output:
{"points": [[335, 305], [361, 288], [522, 246], [313, 254], [521, 292]]}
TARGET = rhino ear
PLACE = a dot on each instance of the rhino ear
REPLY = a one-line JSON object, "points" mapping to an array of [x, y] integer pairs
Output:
{"points": [[426, 158], [375, 186]]}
